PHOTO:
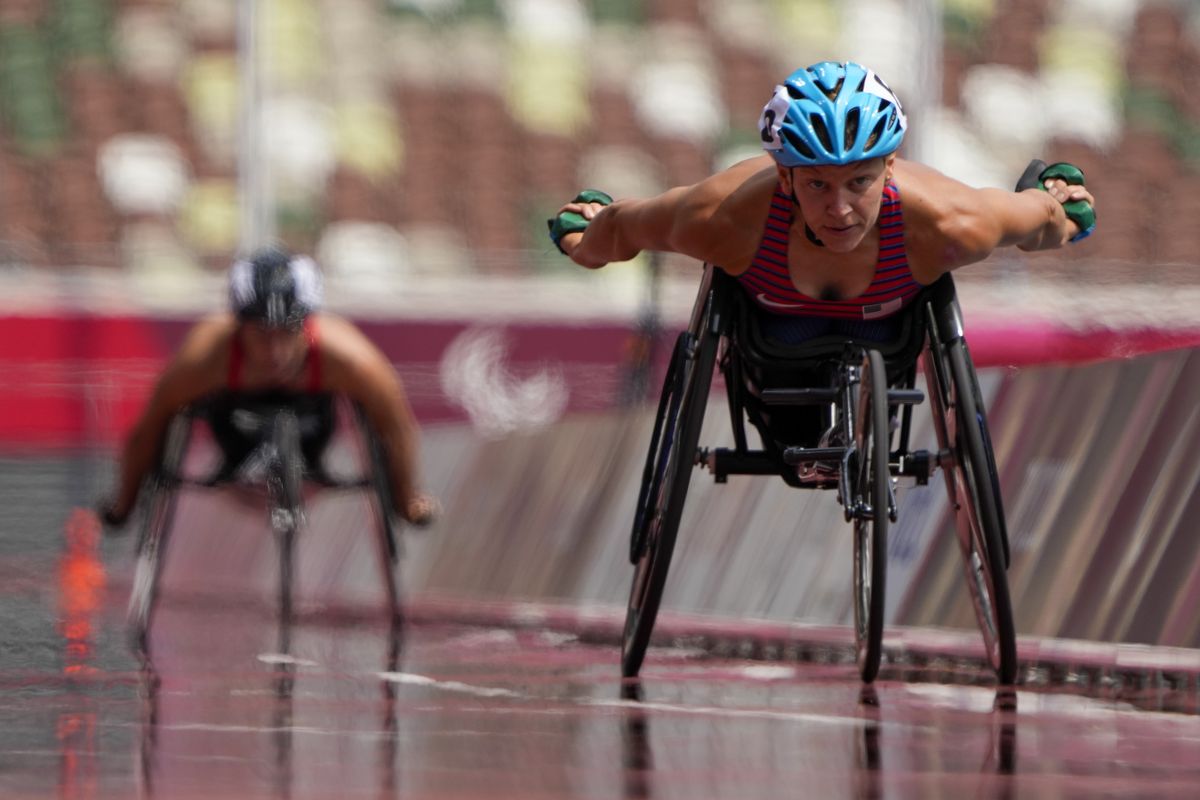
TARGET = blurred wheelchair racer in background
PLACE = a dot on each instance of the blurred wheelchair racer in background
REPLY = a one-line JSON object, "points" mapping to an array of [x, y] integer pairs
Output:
{"points": [[275, 343]]}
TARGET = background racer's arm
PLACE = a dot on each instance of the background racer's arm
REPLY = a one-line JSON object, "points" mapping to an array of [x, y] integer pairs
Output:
{"points": [[189, 375], [356, 368]]}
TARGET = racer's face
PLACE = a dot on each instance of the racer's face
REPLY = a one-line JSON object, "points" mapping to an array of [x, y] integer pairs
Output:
{"points": [[840, 204], [273, 353]]}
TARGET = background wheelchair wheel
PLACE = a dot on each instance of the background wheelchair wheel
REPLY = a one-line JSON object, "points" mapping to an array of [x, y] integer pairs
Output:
{"points": [[152, 538], [389, 548], [151, 553], [673, 455], [871, 478], [286, 509], [973, 485]]}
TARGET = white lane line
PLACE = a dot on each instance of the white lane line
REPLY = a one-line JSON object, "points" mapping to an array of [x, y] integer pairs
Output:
{"points": [[768, 672], [284, 658], [458, 687], [412, 679], [737, 713]]}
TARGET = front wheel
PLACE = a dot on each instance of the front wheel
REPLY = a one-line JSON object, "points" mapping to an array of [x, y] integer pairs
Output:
{"points": [[973, 486], [872, 500], [154, 534], [665, 483], [381, 490], [151, 556], [286, 510]]}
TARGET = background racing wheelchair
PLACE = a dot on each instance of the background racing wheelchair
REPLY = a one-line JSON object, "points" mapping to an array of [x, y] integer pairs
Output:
{"points": [[825, 410], [270, 443]]}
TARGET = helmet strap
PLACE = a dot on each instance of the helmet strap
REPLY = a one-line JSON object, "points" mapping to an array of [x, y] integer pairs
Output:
{"points": [[812, 237], [808, 232]]}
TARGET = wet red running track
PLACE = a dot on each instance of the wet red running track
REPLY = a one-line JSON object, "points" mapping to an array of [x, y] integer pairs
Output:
{"points": [[531, 710]]}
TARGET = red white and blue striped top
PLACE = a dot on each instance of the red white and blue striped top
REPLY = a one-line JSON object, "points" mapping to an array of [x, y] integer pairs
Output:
{"points": [[768, 282]]}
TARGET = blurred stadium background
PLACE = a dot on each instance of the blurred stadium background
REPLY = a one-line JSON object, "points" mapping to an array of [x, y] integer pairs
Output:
{"points": [[407, 140], [416, 148]]}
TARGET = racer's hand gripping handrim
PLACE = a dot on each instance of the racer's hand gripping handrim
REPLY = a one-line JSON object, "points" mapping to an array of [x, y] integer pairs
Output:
{"points": [[112, 518], [575, 216], [1065, 183], [421, 510]]}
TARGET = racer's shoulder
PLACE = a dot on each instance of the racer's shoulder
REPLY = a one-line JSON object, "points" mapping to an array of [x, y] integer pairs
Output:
{"points": [[947, 223], [727, 210], [200, 364], [920, 182], [744, 180], [930, 196], [347, 352], [208, 339], [336, 333]]}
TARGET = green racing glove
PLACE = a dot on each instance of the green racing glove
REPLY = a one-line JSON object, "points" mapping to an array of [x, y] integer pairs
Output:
{"points": [[570, 222], [1078, 211]]}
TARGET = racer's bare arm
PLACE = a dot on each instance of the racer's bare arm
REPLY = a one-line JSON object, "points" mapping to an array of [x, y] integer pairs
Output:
{"points": [[706, 221], [719, 220], [354, 366], [195, 370], [949, 224]]}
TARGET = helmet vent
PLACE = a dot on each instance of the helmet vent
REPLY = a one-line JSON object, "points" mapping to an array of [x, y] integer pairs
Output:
{"points": [[794, 92], [853, 118], [877, 131], [822, 132], [832, 92], [799, 144]]}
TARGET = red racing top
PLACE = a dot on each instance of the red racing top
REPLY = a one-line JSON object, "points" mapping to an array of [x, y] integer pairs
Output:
{"points": [[768, 282]]}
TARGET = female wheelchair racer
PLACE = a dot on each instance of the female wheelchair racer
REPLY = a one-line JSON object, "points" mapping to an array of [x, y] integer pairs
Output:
{"points": [[828, 235], [264, 375]]}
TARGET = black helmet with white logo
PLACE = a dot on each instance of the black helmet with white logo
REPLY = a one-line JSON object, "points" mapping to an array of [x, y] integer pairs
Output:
{"points": [[274, 288]]}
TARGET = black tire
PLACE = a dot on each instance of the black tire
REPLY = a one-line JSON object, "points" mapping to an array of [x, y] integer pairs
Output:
{"points": [[665, 486], [286, 509], [151, 548], [148, 566], [652, 473], [290, 475], [973, 486], [872, 478], [381, 491]]}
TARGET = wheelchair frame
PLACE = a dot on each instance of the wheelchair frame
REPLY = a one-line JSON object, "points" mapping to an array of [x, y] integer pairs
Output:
{"points": [[869, 383], [285, 476]]}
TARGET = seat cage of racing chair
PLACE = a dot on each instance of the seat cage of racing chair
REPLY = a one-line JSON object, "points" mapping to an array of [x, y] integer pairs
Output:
{"points": [[255, 420], [761, 374]]}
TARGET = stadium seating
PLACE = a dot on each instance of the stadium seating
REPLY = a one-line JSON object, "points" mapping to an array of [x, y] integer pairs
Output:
{"points": [[444, 132]]}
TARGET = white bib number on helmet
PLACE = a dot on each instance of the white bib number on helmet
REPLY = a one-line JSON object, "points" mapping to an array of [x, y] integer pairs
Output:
{"points": [[875, 85], [772, 119], [309, 290]]}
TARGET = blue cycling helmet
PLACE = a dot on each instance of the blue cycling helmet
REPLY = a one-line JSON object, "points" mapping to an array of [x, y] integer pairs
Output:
{"points": [[274, 288], [831, 113]]}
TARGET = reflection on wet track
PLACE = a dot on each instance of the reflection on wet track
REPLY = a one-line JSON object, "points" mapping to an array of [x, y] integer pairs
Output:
{"points": [[443, 711]]}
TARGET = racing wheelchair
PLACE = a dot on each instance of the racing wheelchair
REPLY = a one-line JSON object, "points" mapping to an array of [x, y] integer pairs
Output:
{"points": [[854, 440], [282, 465]]}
